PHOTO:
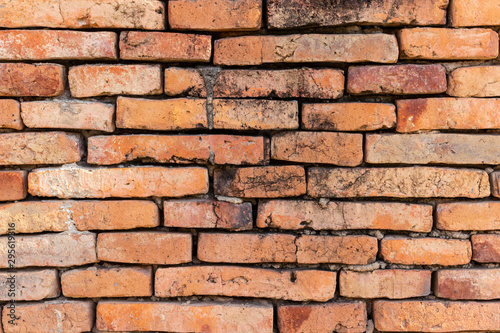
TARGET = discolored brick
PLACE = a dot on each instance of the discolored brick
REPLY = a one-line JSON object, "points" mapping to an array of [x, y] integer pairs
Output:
{"points": [[468, 216], [473, 284], [13, 185], [473, 13], [476, 81], [10, 114], [184, 81], [486, 248], [37, 80], [30, 285]]}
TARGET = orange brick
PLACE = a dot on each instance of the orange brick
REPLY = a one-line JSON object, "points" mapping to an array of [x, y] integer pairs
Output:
{"points": [[468, 284], [256, 50], [473, 13], [348, 116], [261, 182], [303, 285], [158, 248], [161, 115], [184, 81], [426, 251], [477, 81], [107, 282], [468, 216], [211, 15], [34, 217], [108, 80], [495, 184], [82, 182], [43, 80], [433, 44], [205, 213], [13, 185], [10, 114], [486, 248], [30, 285]]}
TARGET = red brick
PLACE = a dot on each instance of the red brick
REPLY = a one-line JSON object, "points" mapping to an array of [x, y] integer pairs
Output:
{"points": [[37, 80], [31, 285], [184, 81], [13, 185], [206, 213], [10, 114], [303, 285], [34, 217], [158, 248], [473, 13], [468, 216], [164, 46], [486, 248], [477, 81], [471, 284]]}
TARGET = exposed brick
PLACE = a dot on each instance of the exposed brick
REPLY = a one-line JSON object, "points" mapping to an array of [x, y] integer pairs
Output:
{"points": [[69, 115], [215, 15], [418, 182], [10, 114], [286, 83], [287, 214], [164, 46], [303, 285], [255, 114], [426, 251], [158, 248], [477, 81], [31, 285], [468, 216], [184, 81], [486, 248], [82, 182], [107, 80], [43, 80], [161, 115], [184, 317], [107, 282], [323, 318], [344, 149], [473, 13], [13, 185], [348, 116], [206, 213], [389, 283], [468, 284], [256, 50], [261, 182], [433, 44]]}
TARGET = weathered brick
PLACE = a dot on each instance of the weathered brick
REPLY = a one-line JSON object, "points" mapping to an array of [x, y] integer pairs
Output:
{"points": [[38, 80], [69, 115], [158, 248], [34, 217], [216, 149], [473, 13], [486, 248], [388, 283], [426, 251], [344, 149], [261, 182], [287, 214], [13, 185], [348, 116], [303, 285], [206, 213], [10, 114], [215, 15], [435, 316], [30, 285], [77, 14], [434, 44], [184, 81], [255, 114], [256, 50], [184, 317], [286, 83], [161, 115], [468, 284], [418, 182], [107, 282], [107, 80], [323, 318], [82, 182], [468, 216], [164, 46], [477, 81], [57, 250]]}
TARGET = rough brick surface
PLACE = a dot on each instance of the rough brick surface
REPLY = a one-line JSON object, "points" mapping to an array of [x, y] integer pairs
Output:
{"points": [[10, 115], [13, 185], [477, 81], [38, 80], [486, 248], [471, 13], [468, 216], [184, 81], [468, 284], [31, 285]]}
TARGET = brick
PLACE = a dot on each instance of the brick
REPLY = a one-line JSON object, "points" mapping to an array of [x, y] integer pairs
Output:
{"points": [[82, 182], [78, 14], [295, 13], [69, 115], [348, 116], [396, 79], [410, 182], [473, 284], [433, 44], [285, 83], [184, 81], [158, 248], [201, 149], [61, 315], [10, 114], [435, 316], [206, 213], [261, 182], [246, 248], [256, 114], [257, 50], [108, 80], [426, 251], [387, 283], [37, 80], [184, 317], [107, 282], [473, 13], [468, 216], [477, 81], [13, 185], [161, 115], [344, 149], [486, 248], [338, 215], [303, 285], [323, 318], [211, 15], [31, 285], [50, 250]]}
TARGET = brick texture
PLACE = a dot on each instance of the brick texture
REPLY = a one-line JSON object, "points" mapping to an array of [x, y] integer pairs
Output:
{"points": [[10, 115], [38, 80], [13, 185]]}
